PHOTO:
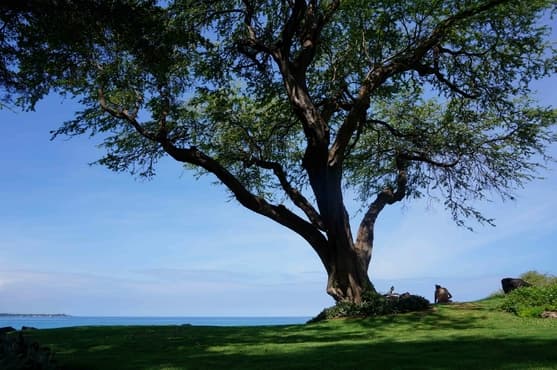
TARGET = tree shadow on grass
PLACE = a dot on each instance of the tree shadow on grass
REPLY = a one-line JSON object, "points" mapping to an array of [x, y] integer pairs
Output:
{"points": [[427, 320], [439, 354], [428, 340]]}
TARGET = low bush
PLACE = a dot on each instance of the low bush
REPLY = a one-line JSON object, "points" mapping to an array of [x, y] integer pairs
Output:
{"points": [[374, 305], [538, 279], [531, 301], [410, 303]]}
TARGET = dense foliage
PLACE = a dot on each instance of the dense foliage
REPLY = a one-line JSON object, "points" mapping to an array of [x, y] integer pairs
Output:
{"points": [[531, 301], [290, 103], [374, 305]]}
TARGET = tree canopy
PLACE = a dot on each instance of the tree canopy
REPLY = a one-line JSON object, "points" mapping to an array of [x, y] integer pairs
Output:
{"points": [[291, 103]]}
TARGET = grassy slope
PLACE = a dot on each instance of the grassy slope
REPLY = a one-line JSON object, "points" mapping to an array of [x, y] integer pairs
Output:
{"points": [[459, 336]]}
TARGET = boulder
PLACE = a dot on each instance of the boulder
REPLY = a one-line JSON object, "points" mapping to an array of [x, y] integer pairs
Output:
{"points": [[510, 284], [549, 315]]}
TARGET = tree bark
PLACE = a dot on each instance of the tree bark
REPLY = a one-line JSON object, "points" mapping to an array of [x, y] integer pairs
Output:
{"points": [[347, 277], [345, 266]]}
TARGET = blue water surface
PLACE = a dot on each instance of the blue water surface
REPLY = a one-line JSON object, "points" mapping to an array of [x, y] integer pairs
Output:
{"points": [[50, 322]]}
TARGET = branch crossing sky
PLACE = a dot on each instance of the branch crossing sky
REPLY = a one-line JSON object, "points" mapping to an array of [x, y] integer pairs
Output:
{"points": [[81, 240]]}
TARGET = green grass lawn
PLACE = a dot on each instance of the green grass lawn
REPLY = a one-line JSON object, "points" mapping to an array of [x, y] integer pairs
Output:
{"points": [[457, 336]]}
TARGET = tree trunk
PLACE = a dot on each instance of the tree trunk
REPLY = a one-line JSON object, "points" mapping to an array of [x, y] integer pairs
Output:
{"points": [[347, 274], [346, 265]]}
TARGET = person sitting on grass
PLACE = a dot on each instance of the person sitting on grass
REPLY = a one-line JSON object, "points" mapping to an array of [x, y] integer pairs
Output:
{"points": [[442, 295]]}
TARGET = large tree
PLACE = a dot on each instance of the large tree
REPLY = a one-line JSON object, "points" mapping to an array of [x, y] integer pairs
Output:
{"points": [[289, 104]]}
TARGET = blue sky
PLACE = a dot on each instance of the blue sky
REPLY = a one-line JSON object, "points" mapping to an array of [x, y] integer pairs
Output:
{"points": [[82, 240]]}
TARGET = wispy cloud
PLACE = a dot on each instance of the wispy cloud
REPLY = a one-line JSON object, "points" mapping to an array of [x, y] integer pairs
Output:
{"points": [[159, 291]]}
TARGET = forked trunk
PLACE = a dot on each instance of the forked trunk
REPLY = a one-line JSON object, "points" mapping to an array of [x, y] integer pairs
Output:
{"points": [[346, 263], [347, 274]]}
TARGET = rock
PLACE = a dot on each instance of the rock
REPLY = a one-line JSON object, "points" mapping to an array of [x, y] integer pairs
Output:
{"points": [[510, 284], [6, 329], [549, 314]]}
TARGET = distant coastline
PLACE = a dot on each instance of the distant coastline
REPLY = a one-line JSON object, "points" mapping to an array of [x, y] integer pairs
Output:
{"points": [[50, 322], [33, 315]]}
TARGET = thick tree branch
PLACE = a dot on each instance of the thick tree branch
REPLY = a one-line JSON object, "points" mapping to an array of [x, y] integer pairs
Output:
{"points": [[315, 130], [307, 21], [409, 60], [294, 194], [293, 75], [282, 215], [314, 21], [342, 100], [364, 240], [357, 114], [279, 213], [291, 26]]}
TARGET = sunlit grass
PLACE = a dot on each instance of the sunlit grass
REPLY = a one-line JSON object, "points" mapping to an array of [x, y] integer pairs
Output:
{"points": [[458, 336]]}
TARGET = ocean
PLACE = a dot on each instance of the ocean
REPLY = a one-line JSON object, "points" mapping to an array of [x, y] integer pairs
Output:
{"points": [[50, 322]]}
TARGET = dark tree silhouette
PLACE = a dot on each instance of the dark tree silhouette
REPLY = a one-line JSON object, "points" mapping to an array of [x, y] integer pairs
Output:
{"points": [[290, 103]]}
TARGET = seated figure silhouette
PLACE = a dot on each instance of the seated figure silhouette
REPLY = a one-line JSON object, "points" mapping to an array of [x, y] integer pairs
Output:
{"points": [[442, 295]]}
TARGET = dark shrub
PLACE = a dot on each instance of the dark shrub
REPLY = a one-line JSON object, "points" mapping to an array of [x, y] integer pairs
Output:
{"points": [[410, 303], [374, 305], [17, 352]]}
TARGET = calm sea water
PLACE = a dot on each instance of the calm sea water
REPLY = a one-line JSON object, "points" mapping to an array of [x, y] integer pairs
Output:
{"points": [[66, 321]]}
